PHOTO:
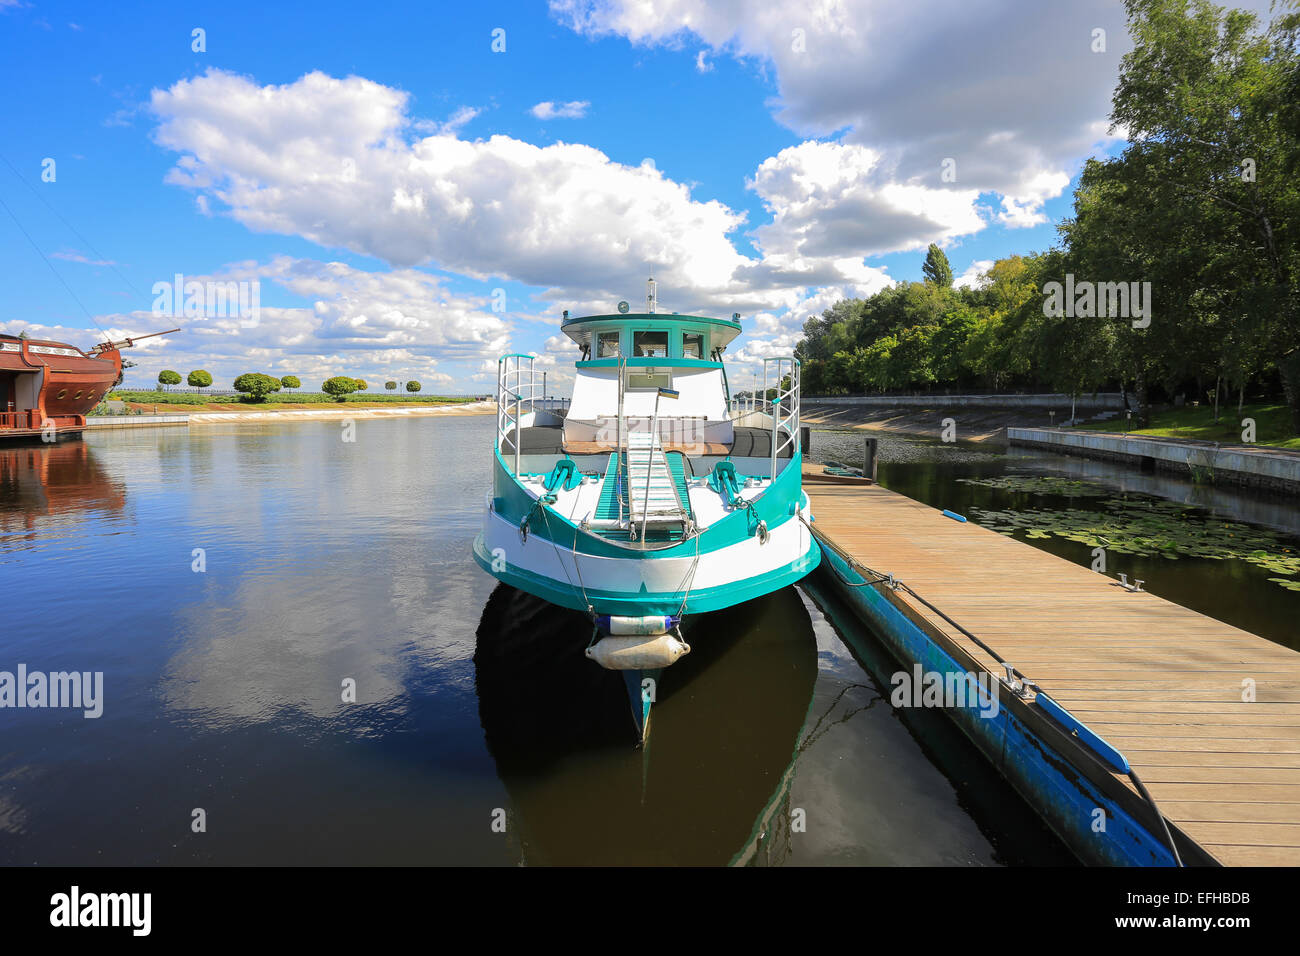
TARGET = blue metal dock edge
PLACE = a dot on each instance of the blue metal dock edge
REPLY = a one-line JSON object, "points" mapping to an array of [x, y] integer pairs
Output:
{"points": [[1062, 782]]}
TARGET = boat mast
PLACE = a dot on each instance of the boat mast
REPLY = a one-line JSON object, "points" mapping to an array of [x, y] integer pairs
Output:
{"points": [[111, 346]]}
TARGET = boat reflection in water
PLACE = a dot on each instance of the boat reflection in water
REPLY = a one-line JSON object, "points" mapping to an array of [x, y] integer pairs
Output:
{"points": [[727, 722], [52, 479]]}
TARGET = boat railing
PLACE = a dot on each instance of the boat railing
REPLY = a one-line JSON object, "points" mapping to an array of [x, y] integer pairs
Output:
{"points": [[518, 393], [621, 451], [782, 375], [742, 405], [27, 419]]}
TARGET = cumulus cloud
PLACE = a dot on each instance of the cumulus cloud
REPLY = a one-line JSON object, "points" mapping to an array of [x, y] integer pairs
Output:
{"points": [[574, 109], [334, 160], [828, 198], [975, 276], [403, 323], [1010, 92]]}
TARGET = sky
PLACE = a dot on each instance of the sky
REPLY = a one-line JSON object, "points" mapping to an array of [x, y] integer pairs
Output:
{"points": [[409, 191]]}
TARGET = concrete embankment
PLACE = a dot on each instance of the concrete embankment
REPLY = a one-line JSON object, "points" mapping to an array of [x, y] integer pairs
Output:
{"points": [[134, 421], [1101, 402], [1255, 465], [976, 422]]}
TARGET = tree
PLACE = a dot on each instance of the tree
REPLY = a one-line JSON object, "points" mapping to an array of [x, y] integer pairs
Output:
{"points": [[199, 378], [361, 385], [168, 377], [391, 386], [291, 381], [256, 385], [339, 386], [1209, 105], [937, 270], [413, 386]]}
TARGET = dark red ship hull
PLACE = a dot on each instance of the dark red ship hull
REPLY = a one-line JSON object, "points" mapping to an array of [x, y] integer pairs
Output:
{"points": [[48, 387]]}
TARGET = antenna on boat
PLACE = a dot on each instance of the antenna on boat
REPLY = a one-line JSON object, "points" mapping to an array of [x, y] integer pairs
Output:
{"points": [[651, 297]]}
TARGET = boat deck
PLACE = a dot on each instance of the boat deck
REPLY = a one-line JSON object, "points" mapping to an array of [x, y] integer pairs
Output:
{"points": [[1162, 683]]}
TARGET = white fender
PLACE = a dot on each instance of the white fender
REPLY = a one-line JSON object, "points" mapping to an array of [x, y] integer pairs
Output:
{"points": [[637, 653]]}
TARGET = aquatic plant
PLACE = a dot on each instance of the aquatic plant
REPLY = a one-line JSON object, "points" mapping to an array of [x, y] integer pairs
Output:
{"points": [[1041, 485], [1149, 527]]}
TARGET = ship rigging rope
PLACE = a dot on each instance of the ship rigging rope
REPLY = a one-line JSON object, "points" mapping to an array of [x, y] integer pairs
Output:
{"points": [[62, 281], [71, 228], [581, 590], [1011, 668]]}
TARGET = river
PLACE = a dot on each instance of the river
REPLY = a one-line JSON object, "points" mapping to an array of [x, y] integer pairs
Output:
{"points": [[233, 583]]}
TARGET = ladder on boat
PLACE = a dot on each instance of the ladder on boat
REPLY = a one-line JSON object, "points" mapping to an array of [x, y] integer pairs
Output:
{"points": [[653, 499]]}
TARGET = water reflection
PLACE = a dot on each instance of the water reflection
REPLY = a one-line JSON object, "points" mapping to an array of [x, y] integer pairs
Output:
{"points": [[726, 725], [59, 479]]}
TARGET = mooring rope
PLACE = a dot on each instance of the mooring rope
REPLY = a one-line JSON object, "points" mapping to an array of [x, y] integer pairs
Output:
{"points": [[689, 580]]}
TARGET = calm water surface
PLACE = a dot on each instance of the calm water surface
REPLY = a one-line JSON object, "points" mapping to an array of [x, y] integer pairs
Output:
{"points": [[326, 561]]}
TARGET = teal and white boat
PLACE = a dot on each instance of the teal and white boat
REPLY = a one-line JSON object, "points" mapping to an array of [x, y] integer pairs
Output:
{"points": [[656, 495]]}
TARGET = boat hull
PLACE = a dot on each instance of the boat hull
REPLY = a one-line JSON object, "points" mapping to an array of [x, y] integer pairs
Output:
{"points": [[727, 563], [640, 585], [48, 387]]}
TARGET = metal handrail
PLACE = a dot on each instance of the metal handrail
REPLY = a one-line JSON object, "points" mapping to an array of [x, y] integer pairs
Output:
{"points": [[516, 387], [785, 427]]}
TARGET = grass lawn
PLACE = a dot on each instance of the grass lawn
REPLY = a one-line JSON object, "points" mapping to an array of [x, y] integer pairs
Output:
{"points": [[164, 403], [1272, 424]]}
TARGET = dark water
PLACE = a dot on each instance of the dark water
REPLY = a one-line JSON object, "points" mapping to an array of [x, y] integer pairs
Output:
{"points": [[1234, 591], [327, 561]]}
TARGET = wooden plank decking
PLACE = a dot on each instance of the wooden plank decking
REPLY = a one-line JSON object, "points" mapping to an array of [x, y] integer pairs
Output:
{"points": [[1162, 683]]}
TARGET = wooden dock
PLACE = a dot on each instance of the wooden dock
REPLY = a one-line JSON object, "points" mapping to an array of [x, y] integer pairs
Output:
{"points": [[1161, 683]]}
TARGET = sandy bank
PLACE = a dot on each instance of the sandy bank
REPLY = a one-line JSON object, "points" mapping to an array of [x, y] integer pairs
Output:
{"points": [[342, 412]]}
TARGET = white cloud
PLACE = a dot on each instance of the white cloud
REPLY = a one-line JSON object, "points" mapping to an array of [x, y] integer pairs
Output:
{"points": [[975, 276], [459, 118], [329, 160], [575, 109], [72, 255], [831, 199], [1010, 90], [400, 324]]}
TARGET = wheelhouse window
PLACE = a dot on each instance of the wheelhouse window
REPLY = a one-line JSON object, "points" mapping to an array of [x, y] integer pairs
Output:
{"points": [[607, 345], [692, 345], [650, 344]]}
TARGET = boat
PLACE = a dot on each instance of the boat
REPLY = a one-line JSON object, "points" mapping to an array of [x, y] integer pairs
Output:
{"points": [[655, 494], [46, 388]]}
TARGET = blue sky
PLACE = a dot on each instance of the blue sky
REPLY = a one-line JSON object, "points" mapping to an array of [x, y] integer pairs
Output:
{"points": [[380, 173]]}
